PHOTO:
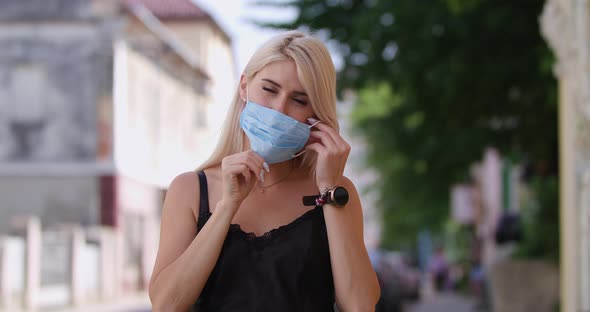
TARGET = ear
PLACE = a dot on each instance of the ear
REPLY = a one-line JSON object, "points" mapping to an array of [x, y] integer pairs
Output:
{"points": [[243, 86]]}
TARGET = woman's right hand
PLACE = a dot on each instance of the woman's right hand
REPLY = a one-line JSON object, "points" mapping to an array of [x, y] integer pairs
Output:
{"points": [[239, 174]]}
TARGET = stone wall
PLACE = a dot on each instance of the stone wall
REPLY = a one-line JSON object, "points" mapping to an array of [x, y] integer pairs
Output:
{"points": [[44, 9], [524, 285], [51, 78], [53, 199]]}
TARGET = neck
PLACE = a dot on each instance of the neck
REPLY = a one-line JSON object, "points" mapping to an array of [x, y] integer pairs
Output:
{"points": [[278, 171]]}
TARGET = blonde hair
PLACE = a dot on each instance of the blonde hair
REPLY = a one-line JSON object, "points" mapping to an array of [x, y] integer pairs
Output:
{"points": [[316, 73]]}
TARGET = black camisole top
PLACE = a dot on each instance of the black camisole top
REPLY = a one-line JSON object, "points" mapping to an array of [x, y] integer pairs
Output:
{"points": [[286, 269]]}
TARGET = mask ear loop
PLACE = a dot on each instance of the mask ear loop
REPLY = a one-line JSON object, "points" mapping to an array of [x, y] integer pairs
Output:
{"points": [[314, 124], [303, 151], [299, 154]]}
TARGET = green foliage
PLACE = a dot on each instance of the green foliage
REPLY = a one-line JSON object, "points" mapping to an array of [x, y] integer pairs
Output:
{"points": [[438, 81], [375, 102], [540, 222], [459, 244], [459, 240]]}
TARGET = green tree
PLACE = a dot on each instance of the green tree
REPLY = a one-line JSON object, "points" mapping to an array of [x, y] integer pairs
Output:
{"points": [[437, 82]]}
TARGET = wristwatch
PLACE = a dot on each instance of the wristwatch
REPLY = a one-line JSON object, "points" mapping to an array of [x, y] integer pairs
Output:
{"points": [[337, 196]]}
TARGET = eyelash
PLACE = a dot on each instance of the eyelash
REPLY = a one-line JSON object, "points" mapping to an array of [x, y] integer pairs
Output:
{"points": [[302, 102]]}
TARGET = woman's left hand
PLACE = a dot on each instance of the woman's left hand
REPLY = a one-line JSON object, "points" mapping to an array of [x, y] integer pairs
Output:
{"points": [[332, 152]]}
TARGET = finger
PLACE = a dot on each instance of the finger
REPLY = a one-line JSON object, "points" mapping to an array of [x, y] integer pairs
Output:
{"points": [[251, 163], [334, 134], [317, 147], [255, 157], [323, 127], [312, 140], [253, 166], [234, 170], [242, 173], [243, 155], [247, 174], [340, 146], [326, 139]]}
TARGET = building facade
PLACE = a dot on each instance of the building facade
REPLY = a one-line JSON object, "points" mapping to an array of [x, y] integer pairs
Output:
{"points": [[102, 103]]}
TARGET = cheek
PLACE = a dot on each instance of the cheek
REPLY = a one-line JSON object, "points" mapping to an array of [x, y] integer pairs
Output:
{"points": [[259, 97], [299, 117], [302, 118], [301, 113], [261, 100]]}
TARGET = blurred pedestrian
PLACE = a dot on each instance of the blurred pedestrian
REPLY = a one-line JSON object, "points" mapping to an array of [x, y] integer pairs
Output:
{"points": [[235, 234], [477, 278], [439, 268]]}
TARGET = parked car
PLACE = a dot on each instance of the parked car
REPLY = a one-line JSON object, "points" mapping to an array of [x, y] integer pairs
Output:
{"points": [[400, 281], [408, 275]]}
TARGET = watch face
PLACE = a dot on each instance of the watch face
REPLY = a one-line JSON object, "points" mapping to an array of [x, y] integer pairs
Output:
{"points": [[340, 196]]}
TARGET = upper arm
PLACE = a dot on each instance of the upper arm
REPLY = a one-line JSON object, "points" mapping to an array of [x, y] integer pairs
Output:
{"points": [[179, 226], [353, 210], [347, 246]]}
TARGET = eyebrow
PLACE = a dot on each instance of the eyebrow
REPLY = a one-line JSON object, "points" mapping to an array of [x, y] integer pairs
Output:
{"points": [[278, 85]]}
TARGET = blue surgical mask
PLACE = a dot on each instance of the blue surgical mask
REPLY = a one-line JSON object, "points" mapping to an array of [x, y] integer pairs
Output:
{"points": [[273, 135]]}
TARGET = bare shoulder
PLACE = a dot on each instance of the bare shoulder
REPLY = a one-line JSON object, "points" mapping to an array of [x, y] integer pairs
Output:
{"points": [[184, 184], [183, 192]]}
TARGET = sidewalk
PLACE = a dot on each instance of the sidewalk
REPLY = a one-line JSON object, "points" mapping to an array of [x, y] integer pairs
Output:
{"points": [[447, 302], [136, 303]]}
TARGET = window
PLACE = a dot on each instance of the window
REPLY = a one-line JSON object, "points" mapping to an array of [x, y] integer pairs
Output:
{"points": [[26, 111]]}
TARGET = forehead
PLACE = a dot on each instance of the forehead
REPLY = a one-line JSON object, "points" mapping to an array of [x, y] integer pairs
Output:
{"points": [[282, 72]]}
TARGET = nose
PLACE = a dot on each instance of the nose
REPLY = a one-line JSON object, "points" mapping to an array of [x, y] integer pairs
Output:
{"points": [[280, 105]]}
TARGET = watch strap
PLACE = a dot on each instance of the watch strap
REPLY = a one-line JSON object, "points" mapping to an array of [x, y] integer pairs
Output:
{"points": [[310, 200], [319, 200]]}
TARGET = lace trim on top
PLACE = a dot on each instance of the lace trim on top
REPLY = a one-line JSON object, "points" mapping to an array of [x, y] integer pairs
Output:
{"points": [[236, 229]]}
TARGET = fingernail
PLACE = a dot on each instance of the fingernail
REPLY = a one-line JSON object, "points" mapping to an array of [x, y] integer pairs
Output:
{"points": [[262, 176], [312, 120], [265, 165]]}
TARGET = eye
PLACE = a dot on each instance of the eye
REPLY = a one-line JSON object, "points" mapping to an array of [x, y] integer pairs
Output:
{"points": [[300, 101], [267, 89]]}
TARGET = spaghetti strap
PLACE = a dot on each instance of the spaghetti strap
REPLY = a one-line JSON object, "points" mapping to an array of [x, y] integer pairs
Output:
{"points": [[204, 211]]}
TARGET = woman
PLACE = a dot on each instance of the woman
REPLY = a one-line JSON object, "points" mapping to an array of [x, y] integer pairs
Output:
{"points": [[236, 236]]}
